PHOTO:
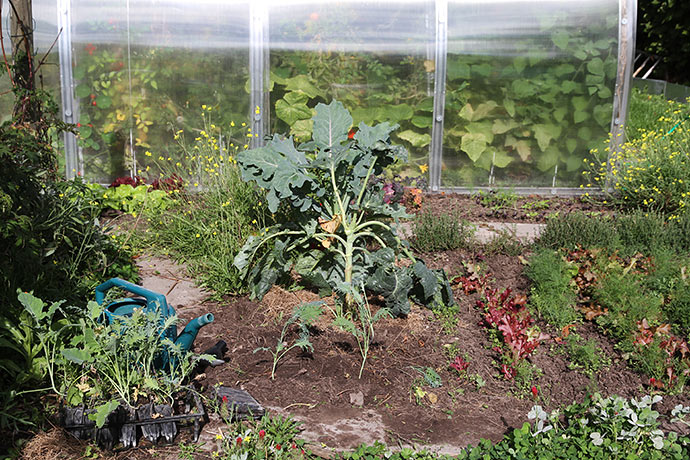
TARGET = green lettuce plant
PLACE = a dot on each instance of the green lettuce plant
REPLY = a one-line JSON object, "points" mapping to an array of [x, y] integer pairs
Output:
{"points": [[333, 226]]}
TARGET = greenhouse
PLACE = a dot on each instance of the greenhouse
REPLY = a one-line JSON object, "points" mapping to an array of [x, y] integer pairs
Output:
{"points": [[325, 230], [486, 93]]}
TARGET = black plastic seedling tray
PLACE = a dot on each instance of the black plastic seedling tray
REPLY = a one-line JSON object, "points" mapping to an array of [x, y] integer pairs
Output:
{"points": [[155, 422]]}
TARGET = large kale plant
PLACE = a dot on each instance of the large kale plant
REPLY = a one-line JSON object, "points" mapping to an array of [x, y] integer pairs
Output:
{"points": [[334, 228]]}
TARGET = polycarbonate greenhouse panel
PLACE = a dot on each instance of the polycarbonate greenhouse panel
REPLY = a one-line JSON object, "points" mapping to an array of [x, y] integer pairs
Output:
{"points": [[377, 58], [529, 90], [6, 98], [152, 76]]}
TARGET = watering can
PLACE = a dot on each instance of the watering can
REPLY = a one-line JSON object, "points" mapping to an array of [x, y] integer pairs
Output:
{"points": [[151, 302]]}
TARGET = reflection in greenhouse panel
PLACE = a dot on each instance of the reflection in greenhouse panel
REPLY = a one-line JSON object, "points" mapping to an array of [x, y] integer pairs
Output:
{"points": [[529, 90], [144, 73], [375, 57]]}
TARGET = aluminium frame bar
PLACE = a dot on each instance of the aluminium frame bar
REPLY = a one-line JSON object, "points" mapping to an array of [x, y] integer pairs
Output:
{"points": [[627, 21], [259, 73], [74, 165], [441, 51]]}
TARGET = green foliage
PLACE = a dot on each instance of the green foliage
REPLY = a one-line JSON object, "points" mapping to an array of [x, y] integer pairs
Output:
{"points": [[448, 317], [48, 228], [644, 232], [331, 216], [151, 97], [300, 80], [103, 365], [597, 429], [206, 229], [650, 172], [548, 112], [131, 200], [586, 355], [578, 229], [304, 316], [663, 30], [637, 231], [620, 293], [359, 323], [504, 242], [678, 308], [551, 293], [430, 376], [440, 233], [647, 113], [497, 199]]}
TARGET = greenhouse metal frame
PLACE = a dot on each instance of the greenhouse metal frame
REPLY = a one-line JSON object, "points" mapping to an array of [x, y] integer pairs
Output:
{"points": [[445, 145]]}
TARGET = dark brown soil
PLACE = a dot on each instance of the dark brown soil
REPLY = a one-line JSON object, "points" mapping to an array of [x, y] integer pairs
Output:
{"points": [[317, 385], [531, 208]]}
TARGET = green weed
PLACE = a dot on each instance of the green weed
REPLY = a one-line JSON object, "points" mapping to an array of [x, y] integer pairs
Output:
{"points": [[586, 355], [678, 309], [505, 242], [537, 205], [498, 199]]}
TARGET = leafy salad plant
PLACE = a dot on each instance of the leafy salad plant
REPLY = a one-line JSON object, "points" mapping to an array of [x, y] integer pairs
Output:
{"points": [[333, 226]]}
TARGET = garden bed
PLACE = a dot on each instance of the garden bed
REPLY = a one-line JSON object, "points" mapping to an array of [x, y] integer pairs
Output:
{"points": [[393, 402]]}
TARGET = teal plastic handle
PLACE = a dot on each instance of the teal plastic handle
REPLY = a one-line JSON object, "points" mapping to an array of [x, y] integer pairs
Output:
{"points": [[135, 289]]}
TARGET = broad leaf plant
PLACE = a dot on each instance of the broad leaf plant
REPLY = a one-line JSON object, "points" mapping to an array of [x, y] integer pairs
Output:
{"points": [[334, 228]]}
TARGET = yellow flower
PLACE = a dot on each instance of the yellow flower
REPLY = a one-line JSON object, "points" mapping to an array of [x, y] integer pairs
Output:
{"points": [[198, 235], [423, 168]]}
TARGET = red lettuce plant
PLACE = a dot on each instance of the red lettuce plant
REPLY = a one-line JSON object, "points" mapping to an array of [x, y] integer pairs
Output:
{"points": [[508, 314], [126, 180]]}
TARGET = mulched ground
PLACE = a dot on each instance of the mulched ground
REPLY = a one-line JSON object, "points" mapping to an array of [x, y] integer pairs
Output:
{"points": [[529, 208], [323, 385]]}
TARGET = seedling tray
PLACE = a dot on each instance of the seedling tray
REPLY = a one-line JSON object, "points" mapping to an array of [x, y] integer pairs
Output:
{"points": [[155, 422], [239, 404]]}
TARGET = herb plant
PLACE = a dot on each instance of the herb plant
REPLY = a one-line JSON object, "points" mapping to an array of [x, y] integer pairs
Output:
{"points": [[360, 324], [304, 315], [333, 225]]}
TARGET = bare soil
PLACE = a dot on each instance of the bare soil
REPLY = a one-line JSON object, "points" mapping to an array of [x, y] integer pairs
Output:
{"points": [[321, 388]]}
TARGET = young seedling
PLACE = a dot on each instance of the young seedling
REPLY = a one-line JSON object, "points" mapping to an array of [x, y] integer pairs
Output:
{"points": [[304, 316], [360, 324]]}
